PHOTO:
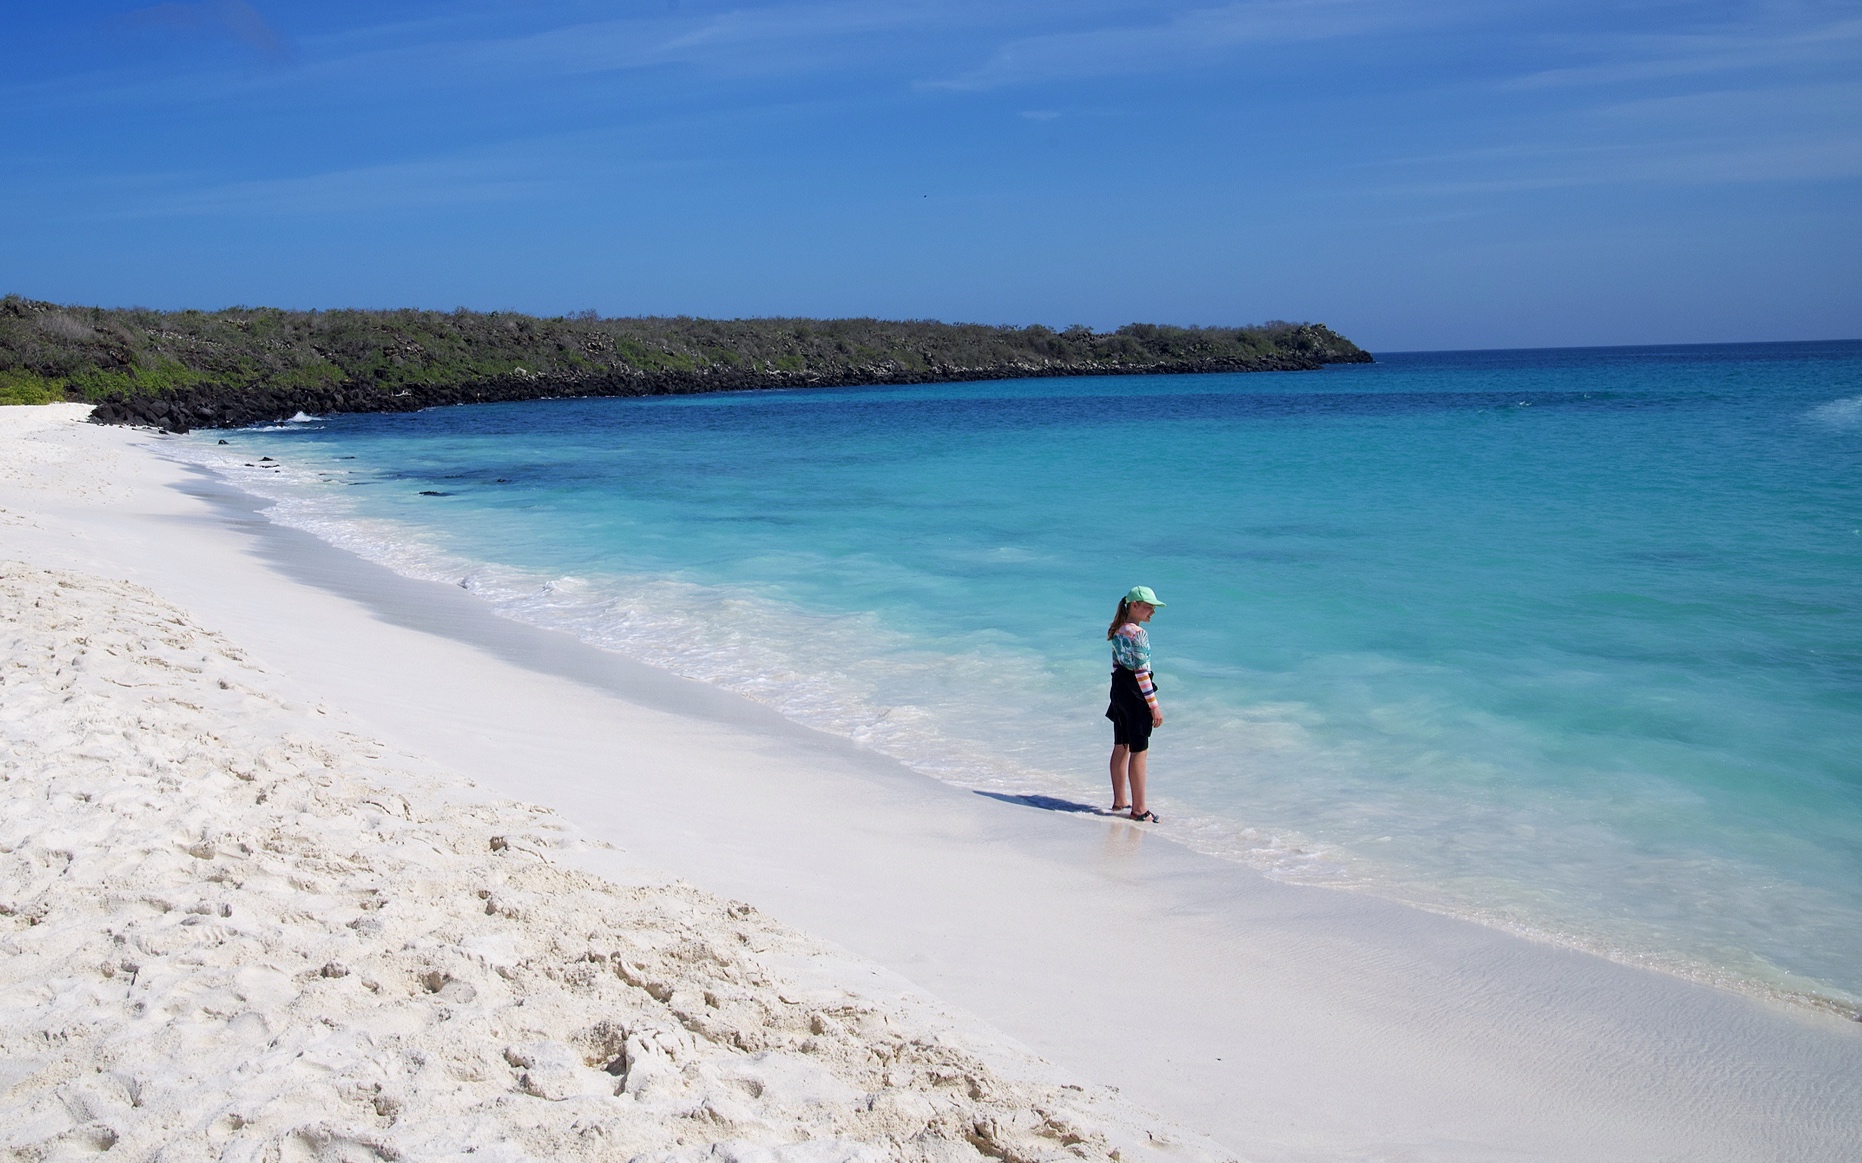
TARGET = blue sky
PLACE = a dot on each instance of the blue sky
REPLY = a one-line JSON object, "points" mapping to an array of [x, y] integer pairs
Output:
{"points": [[1419, 175]]}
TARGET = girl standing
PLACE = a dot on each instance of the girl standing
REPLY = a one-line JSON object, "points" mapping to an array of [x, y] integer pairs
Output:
{"points": [[1134, 710]]}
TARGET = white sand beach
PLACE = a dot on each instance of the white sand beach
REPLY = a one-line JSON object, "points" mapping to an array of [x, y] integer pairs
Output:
{"points": [[301, 859]]}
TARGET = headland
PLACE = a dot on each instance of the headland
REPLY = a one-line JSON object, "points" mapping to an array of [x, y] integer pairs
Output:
{"points": [[178, 370]]}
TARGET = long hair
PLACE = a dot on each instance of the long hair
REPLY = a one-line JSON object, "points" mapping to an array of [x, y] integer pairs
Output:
{"points": [[1123, 616]]}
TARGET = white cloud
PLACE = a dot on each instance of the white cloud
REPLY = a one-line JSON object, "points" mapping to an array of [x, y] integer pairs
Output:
{"points": [[234, 18], [770, 39], [1193, 39], [1633, 59]]}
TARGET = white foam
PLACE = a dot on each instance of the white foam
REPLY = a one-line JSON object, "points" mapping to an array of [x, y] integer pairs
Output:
{"points": [[944, 709], [1845, 413], [853, 677]]}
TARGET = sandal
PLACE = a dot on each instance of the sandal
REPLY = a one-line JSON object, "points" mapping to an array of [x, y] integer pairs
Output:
{"points": [[1146, 817], [1116, 808]]}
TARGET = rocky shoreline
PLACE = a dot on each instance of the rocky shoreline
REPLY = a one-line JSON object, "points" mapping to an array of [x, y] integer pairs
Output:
{"points": [[180, 370], [219, 406]]}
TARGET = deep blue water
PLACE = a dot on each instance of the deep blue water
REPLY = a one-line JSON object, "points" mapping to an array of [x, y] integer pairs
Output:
{"points": [[1567, 640]]}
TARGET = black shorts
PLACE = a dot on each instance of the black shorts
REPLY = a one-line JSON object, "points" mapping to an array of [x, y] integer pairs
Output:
{"points": [[1130, 714]]}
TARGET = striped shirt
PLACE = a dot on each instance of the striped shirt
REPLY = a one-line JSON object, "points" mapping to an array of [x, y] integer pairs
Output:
{"points": [[1131, 649]]}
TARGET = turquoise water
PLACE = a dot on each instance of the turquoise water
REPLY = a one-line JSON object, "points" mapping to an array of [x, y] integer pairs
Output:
{"points": [[1569, 641]]}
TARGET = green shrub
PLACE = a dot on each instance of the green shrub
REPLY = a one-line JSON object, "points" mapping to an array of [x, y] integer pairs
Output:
{"points": [[24, 387], [95, 353], [316, 375], [97, 384]]}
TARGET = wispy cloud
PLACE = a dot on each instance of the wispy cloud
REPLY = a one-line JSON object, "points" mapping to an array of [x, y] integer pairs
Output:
{"points": [[408, 185], [473, 50], [1743, 136], [1193, 39], [1691, 163], [816, 23], [1620, 105], [226, 18], [1632, 59], [772, 39]]}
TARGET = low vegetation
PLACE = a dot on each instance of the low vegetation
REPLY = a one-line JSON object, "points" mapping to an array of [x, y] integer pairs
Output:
{"points": [[181, 369], [18, 386]]}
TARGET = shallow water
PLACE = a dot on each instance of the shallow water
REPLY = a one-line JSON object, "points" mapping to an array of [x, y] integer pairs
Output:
{"points": [[1569, 641]]}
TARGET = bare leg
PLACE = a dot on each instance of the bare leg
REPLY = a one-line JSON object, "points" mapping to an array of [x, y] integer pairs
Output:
{"points": [[1136, 766], [1121, 755]]}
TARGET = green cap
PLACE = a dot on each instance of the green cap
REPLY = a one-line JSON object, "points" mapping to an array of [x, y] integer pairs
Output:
{"points": [[1144, 594]]}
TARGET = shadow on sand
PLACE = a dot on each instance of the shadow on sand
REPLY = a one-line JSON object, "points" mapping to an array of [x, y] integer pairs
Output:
{"points": [[1046, 803]]}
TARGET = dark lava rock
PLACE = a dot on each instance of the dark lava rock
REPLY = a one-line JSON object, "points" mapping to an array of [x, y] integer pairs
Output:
{"points": [[216, 406]]}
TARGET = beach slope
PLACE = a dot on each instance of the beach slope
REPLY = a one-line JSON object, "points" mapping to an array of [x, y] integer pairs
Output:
{"points": [[229, 931], [1286, 1022]]}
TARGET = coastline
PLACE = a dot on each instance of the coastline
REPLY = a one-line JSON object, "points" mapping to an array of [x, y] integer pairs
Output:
{"points": [[234, 926], [1362, 1027], [180, 410], [705, 653], [179, 370]]}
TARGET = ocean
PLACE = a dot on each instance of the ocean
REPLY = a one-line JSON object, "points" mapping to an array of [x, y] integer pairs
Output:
{"points": [[1564, 641]]}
